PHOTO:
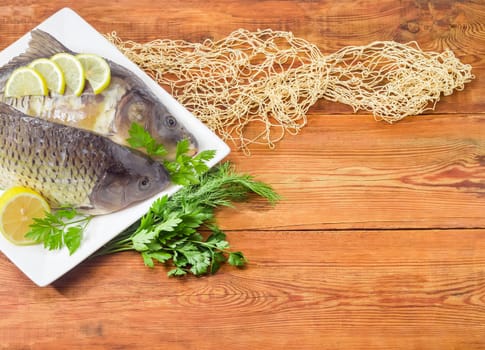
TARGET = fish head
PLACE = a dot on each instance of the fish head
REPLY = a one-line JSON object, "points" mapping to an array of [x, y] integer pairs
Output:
{"points": [[132, 177], [146, 110]]}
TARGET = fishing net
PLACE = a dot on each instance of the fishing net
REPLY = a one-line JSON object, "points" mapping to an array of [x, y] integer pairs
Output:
{"points": [[254, 87]]}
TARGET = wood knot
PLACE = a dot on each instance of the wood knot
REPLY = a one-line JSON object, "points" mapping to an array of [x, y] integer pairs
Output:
{"points": [[411, 27]]}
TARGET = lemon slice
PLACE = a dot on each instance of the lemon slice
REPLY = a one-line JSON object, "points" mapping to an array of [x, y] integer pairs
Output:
{"points": [[18, 208], [73, 72], [52, 74], [25, 81], [96, 71]]}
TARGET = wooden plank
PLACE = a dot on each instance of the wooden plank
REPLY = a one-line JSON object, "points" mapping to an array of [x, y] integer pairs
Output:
{"points": [[353, 172], [330, 26], [437, 24], [378, 242], [434, 24], [301, 290]]}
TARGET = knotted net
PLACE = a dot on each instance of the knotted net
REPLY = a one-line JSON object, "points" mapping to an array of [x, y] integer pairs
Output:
{"points": [[256, 86]]}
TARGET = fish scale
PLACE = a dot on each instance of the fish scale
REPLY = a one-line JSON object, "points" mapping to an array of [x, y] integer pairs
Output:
{"points": [[73, 167], [22, 166], [127, 99]]}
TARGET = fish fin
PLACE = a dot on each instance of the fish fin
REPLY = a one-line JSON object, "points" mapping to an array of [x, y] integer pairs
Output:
{"points": [[6, 109], [41, 45], [86, 209]]}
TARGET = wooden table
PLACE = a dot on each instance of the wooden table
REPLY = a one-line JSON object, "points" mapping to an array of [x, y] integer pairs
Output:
{"points": [[379, 242]]}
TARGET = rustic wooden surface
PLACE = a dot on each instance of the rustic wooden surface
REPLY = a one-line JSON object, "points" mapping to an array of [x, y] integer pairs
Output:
{"points": [[379, 242]]}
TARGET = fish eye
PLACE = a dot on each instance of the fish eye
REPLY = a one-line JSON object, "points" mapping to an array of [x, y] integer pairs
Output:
{"points": [[170, 121], [144, 183]]}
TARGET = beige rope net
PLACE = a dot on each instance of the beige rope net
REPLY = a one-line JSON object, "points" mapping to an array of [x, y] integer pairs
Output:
{"points": [[254, 87]]}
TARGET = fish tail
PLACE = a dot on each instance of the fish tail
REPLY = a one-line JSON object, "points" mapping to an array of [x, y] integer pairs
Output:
{"points": [[41, 45]]}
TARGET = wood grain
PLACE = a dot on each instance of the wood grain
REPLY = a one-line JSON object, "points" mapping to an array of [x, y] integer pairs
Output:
{"points": [[332, 290], [378, 243], [418, 173]]}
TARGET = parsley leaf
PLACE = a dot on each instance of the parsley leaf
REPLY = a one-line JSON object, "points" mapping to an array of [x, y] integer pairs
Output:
{"points": [[185, 169], [63, 227], [143, 238], [72, 238], [140, 138], [177, 272], [236, 259]]}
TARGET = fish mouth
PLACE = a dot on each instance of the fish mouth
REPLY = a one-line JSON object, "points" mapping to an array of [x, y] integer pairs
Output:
{"points": [[163, 177], [192, 150], [193, 146]]}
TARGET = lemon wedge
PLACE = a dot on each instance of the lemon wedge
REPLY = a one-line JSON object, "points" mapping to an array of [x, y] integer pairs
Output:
{"points": [[18, 208], [73, 72], [96, 71], [52, 74], [25, 81]]}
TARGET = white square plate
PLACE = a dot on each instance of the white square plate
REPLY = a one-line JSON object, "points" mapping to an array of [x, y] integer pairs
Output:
{"points": [[42, 266]]}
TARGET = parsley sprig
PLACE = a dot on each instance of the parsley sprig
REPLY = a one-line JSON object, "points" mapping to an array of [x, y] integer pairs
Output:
{"points": [[172, 231], [59, 228], [140, 138], [185, 169]]}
